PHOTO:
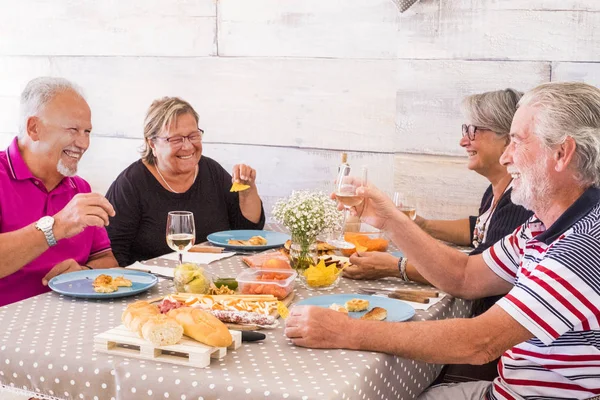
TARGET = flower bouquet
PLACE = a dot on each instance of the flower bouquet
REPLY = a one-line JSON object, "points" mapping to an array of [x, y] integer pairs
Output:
{"points": [[306, 214]]}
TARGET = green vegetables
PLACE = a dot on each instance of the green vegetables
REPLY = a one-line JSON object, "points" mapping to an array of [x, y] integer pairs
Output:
{"points": [[231, 283], [191, 278]]}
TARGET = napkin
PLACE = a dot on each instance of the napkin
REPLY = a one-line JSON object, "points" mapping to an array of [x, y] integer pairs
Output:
{"points": [[153, 269], [198, 258]]}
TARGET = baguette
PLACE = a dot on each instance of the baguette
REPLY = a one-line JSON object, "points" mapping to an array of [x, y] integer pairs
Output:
{"points": [[202, 326], [162, 330], [148, 323]]}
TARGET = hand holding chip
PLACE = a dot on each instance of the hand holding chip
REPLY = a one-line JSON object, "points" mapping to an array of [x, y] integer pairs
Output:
{"points": [[243, 178]]}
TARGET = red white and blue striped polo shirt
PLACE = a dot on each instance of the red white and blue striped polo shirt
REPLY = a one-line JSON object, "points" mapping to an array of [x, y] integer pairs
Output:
{"points": [[556, 296]]}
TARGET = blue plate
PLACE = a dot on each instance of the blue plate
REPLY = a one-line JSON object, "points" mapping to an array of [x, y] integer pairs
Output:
{"points": [[397, 254], [79, 284], [396, 310], [274, 239]]}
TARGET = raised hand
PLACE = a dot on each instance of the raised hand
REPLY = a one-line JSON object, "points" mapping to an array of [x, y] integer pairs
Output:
{"points": [[245, 174], [376, 209], [84, 209]]}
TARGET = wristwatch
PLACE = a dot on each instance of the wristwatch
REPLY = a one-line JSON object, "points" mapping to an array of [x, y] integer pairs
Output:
{"points": [[45, 225]]}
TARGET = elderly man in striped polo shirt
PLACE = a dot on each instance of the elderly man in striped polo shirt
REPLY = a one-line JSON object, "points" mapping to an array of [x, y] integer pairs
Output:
{"points": [[546, 328]]}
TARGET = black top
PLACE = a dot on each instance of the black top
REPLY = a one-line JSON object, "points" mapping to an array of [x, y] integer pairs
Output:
{"points": [[505, 219], [138, 230]]}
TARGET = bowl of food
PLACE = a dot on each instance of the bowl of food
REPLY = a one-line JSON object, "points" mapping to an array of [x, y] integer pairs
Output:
{"points": [[321, 276], [276, 282], [368, 239], [191, 278]]}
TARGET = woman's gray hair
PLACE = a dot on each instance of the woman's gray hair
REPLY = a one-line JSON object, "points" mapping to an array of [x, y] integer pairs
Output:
{"points": [[570, 109], [492, 110], [38, 93]]}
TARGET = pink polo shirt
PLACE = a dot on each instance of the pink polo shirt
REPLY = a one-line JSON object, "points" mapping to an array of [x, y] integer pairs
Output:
{"points": [[24, 200]]}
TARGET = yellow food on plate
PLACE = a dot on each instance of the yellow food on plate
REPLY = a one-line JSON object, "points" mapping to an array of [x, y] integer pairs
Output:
{"points": [[282, 310], [238, 187], [102, 280], [122, 281], [355, 305], [321, 275], [253, 241], [376, 314], [106, 288], [339, 308]]}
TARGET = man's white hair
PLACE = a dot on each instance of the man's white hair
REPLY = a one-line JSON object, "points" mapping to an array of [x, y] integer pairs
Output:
{"points": [[38, 93], [570, 109]]}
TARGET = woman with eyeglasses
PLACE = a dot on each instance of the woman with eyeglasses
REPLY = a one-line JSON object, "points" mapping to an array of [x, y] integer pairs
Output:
{"points": [[484, 137], [174, 175]]}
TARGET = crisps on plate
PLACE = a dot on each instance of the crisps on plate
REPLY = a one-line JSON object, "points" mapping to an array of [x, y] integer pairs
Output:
{"points": [[238, 187], [321, 275], [282, 310]]}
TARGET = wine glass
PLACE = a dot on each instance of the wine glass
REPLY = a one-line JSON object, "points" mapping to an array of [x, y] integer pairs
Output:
{"points": [[345, 193], [181, 232], [406, 204]]}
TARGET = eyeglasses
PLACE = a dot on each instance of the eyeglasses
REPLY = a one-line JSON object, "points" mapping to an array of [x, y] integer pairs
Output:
{"points": [[176, 141], [471, 130]]}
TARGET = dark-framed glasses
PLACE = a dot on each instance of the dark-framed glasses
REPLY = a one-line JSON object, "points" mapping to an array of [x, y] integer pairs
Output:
{"points": [[471, 130], [177, 141]]}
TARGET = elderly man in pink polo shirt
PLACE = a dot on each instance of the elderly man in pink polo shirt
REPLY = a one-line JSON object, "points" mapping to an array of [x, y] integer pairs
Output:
{"points": [[50, 222]]}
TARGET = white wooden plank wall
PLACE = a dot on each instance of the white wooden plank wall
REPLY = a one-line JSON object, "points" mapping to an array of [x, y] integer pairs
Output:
{"points": [[286, 85]]}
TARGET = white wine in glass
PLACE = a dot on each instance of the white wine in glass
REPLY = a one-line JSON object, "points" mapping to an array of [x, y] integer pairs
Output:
{"points": [[181, 232], [346, 194], [406, 205]]}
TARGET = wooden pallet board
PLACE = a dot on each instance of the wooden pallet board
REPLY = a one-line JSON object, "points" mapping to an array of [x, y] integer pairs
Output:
{"points": [[188, 352]]}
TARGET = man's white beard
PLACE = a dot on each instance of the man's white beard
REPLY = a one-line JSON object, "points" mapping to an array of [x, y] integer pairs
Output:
{"points": [[64, 170], [533, 189]]}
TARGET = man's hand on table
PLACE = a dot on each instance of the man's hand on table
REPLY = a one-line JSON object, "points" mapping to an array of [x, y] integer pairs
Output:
{"points": [[317, 327], [64, 267], [372, 265]]}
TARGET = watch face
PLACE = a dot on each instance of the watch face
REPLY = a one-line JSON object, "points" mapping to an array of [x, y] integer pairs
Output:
{"points": [[45, 222]]}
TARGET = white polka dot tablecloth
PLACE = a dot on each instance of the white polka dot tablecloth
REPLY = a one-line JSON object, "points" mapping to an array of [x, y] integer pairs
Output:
{"points": [[47, 348]]}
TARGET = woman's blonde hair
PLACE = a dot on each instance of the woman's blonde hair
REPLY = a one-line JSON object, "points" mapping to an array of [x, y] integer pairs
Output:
{"points": [[160, 115]]}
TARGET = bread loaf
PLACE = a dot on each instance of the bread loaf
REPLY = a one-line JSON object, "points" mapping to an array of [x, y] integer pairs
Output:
{"points": [[146, 320], [162, 330], [202, 326]]}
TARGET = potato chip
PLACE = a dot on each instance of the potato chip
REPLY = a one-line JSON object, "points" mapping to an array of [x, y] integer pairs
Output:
{"points": [[321, 275], [282, 310], [238, 187]]}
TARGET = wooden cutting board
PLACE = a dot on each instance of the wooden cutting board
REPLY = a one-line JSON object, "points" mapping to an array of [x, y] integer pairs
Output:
{"points": [[188, 352]]}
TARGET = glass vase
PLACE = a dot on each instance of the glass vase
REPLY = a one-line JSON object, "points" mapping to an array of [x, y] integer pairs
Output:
{"points": [[303, 252]]}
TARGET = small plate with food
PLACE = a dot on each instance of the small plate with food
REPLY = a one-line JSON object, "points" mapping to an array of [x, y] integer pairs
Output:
{"points": [[362, 306], [102, 283], [248, 239]]}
